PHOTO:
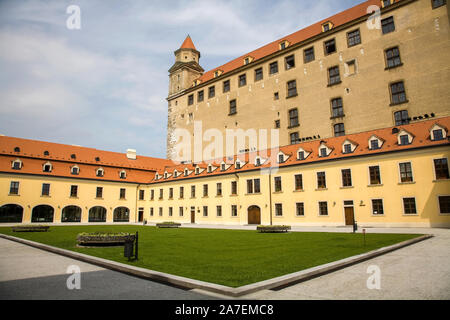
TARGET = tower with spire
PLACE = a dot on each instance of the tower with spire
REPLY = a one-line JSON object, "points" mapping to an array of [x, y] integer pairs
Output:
{"points": [[186, 68]]}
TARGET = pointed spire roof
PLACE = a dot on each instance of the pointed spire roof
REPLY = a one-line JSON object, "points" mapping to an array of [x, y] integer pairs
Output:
{"points": [[188, 44]]}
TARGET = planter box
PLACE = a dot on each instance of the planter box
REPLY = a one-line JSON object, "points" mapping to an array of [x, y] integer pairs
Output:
{"points": [[104, 239], [273, 229], [30, 228], [168, 225]]}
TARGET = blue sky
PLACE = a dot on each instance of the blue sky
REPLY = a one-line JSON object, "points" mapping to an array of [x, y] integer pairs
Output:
{"points": [[104, 86]]}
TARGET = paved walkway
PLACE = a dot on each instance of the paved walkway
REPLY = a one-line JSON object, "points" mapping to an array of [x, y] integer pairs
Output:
{"points": [[420, 271], [30, 273]]}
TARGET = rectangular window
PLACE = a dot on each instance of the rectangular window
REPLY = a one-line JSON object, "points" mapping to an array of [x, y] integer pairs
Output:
{"points": [[406, 172], [333, 76], [152, 212], [273, 67], [330, 46], [339, 130], [438, 135], [205, 190], [277, 124], [141, 194], [73, 191], [298, 182], [233, 187], [377, 206], [409, 205], [249, 186], [219, 211], [375, 177], [294, 137], [234, 211], [292, 88], [353, 38], [170, 193], [289, 62], [200, 96], [122, 193], [170, 211], [441, 168], [181, 211], [374, 145], [393, 58], [387, 25], [438, 3], [160, 212], [226, 86], [99, 192], [190, 99], [444, 204], [300, 209], [242, 80], [205, 211], [211, 92], [293, 118], [181, 192], [308, 55], [321, 180], [398, 94], [219, 189], [277, 184], [347, 148], [346, 178], [257, 185], [401, 117], [278, 209], [152, 194], [233, 108], [323, 208], [259, 74], [404, 140], [45, 189], [337, 108], [14, 187], [161, 194]]}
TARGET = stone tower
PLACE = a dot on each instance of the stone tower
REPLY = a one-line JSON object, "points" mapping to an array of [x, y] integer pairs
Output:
{"points": [[186, 68], [181, 77]]}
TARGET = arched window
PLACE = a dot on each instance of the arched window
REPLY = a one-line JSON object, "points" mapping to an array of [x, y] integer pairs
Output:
{"points": [[71, 214], [11, 213], [16, 164], [97, 214], [47, 167], [42, 213], [122, 174], [100, 172], [121, 214], [75, 170]]}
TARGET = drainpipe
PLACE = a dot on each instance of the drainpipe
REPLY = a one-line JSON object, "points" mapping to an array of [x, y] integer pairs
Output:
{"points": [[136, 206], [270, 194]]}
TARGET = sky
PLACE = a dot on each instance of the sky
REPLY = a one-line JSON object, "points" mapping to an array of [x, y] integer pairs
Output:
{"points": [[105, 84]]}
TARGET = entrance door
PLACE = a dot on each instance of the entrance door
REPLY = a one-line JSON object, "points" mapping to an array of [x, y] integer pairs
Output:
{"points": [[254, 215], [192, 214], [141, 215], [349, 216]]}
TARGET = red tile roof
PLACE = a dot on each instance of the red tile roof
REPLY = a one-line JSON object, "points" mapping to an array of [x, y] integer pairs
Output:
{"points": [[420, 131], [296, 37], [188, 44]]}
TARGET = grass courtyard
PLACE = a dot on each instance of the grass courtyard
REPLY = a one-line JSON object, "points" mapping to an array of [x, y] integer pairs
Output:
{"points": [[228, 257]]}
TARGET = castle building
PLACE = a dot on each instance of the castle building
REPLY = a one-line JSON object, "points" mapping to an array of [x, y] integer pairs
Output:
{"points": [[363, 119]]}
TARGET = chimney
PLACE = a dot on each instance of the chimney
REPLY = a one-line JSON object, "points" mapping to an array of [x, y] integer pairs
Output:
{"points": [[131, 154]]}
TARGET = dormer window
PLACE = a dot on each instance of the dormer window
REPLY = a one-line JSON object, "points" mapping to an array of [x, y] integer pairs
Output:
{"points": [[75, 170], [327, 26], [16, 149], [347, 148], [17, 164], [47, 167], [258, 162], [323, 152], [123, 174], [404, 139], [284, 44], [301, 155], [186, 172], [156, 176], [175, 173], [238, 165], [374, 144], [46, 153], [100, 172], [281, 158], [197, 170], [438, 133], [222, 167], [217, 73], [248, 60], [73, 156], [386, 3]]}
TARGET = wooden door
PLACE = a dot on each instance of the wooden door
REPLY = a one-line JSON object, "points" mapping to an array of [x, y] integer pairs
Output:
{"points": [[254, 215], [192, 214], [349, 216]]}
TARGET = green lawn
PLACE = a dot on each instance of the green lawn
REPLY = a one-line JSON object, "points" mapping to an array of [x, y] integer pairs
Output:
{"points": [[228, 257]]}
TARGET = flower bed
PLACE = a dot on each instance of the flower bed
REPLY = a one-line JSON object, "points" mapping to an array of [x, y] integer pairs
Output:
{"points": [[104, 238], [30, 228], [168, 225], [273, 229]]}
